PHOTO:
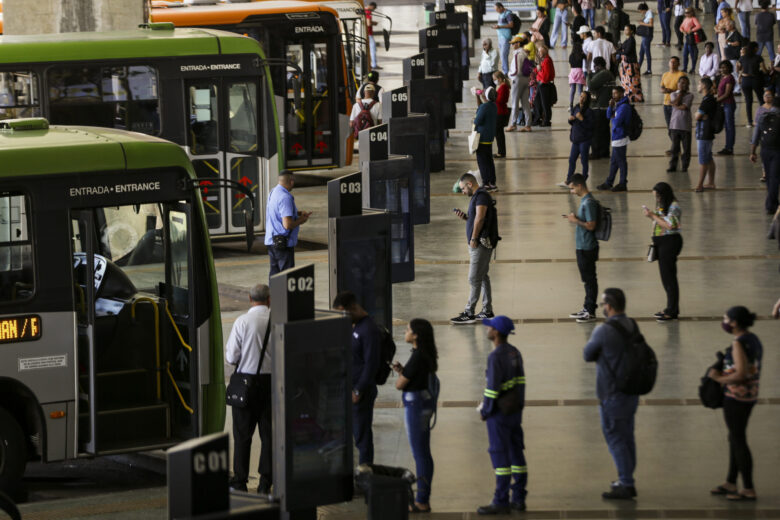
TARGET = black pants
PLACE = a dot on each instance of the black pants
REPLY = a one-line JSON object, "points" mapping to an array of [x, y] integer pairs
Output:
{"points": [[771, 160], [751, 84], [680, 138], [586, 261], [281, 258], [668, 248], [737, 414], [501, 122], [362, 417], [487, 167], [668, 118], [546, 93], [600, 144], [257, 413], [678, 20]]}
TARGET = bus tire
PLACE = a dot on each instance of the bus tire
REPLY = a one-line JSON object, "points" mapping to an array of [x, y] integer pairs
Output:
{"points": [[13, 453]]}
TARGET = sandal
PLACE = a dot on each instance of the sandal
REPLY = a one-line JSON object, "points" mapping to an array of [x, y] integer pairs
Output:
{"points": [[709, 187], [739, 497], [415, 509], [525, 129], [699, 189], [720, 490], [512, 128]]}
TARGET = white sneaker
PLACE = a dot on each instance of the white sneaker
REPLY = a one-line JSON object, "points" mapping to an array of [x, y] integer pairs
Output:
{"points": [[562, 185], [578, 314], [587, 318]]}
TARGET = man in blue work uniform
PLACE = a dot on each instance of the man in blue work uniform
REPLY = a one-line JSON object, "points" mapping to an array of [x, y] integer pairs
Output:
{"points": [[365, 365], [282, 220], [605, 347], [502, 409]]}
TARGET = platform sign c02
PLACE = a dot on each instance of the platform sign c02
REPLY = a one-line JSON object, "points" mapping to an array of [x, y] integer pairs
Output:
{"points": [[292, 294]]}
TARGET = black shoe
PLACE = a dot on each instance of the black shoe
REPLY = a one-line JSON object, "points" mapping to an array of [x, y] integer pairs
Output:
{"points": [[620, 493], [603, 187], [517, 506], [494, 509], [484, 315], [658, 314], [620, 187], [264, 488], [238, 486], [665, 317], [632, 489], [670, 170], [463, 317], [725, 151]]}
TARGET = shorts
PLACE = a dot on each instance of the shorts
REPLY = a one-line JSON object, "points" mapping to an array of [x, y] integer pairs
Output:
{"points": [[705, 151]]}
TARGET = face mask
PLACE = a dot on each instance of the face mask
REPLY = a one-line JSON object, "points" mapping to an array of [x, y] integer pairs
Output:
{"points": [[727, 327]]}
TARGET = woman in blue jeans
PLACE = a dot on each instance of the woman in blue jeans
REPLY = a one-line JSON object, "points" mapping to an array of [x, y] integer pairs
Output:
{"points": [[419, 404], [582, 122], [644, 49]]}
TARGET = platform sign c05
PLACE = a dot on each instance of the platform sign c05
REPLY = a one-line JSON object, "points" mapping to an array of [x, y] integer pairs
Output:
{"points": [[20, 328]]}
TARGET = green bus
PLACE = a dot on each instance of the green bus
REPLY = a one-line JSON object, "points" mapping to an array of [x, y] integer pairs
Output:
{"points": [[110, 329], [209, 91]]}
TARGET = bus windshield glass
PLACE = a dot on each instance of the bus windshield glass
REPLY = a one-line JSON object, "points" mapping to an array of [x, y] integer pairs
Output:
{"points": [[19, 95]]}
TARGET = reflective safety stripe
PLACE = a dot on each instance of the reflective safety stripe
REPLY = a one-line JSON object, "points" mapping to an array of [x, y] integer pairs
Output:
{"points": [[506, 385], [491, 394], [519, 469], [502, 472]]}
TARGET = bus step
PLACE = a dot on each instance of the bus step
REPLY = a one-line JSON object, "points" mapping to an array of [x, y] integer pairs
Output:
{"points": [[130, 426], [122, 388]]}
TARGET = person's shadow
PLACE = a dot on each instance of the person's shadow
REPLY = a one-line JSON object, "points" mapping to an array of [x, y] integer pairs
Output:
{"points": [[7, 505]]}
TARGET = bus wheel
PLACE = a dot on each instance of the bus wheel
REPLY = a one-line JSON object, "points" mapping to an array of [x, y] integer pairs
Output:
{"points": [[13, 453]]}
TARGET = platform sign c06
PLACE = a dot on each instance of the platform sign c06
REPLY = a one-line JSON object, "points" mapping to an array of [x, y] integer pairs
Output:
{"points": [[20, 328]]}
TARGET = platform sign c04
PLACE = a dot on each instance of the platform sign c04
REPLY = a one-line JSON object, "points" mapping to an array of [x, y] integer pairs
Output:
{"points": [[20, 328]]}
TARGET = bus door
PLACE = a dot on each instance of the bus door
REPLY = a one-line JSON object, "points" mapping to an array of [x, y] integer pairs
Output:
{"points": [[224, 143], [310, 129], [138, 385]]}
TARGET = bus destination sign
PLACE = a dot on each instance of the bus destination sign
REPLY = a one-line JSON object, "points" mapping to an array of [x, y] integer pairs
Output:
{"points": [[20, 328]]}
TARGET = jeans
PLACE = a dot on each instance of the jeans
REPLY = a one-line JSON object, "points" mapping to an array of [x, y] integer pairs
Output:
{"points": [[574, 89], [668, 118], [680, 138], [690, 49], [487, 80], [770, 49], [281, 259], [418, 409], [487, 167], [519, 97], [644, 50], [578, 150], [736, 413], [590, 16], [586, 262], [771, 160], [479, 280], [751, 84], [677, 21], [257, 413], [728, 123], [372, 49], [617, 424], [501, 121], [618, 161], [744, 23], [668, 248], [362, 417], [503, 50], [666, 28], [559, 27]]}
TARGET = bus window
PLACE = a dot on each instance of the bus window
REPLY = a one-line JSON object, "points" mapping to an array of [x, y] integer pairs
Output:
{"points": [[179, 244], [16, 266], [19, 95], [295, 126], [124, 97], [204, 120], [323, 126], [242, 99]]}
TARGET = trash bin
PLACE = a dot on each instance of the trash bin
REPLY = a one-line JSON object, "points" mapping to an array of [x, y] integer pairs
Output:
{"points": [[430, 13], [388, 491]]}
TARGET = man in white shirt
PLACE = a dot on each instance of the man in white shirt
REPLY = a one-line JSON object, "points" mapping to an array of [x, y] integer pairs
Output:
{"points": [[373, 106], [600, 46], [488, 64], [709, 62], [244, 349], [744, 7]]}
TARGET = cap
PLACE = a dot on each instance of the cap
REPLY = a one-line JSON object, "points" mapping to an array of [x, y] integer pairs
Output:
{"points": [[502, 324], [517, 39], [583, 29]]}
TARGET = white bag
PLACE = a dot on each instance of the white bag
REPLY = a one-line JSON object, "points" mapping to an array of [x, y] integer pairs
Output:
{"points": [[473, 141]]}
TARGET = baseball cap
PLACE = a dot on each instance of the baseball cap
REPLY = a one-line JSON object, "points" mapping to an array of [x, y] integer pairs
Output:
{"points": [[517, 39], [502, 324], [583, 29]]}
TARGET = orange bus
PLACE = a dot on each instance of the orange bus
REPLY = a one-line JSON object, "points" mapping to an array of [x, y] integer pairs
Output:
{"points": [[299, 38]]}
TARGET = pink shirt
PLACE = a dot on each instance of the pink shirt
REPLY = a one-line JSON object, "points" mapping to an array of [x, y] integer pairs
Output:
{"points": [[690, 25]]}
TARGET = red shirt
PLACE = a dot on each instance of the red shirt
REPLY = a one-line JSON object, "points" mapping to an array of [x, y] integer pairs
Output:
{"points": [[546, 72], [502, 97], [369, 24]]}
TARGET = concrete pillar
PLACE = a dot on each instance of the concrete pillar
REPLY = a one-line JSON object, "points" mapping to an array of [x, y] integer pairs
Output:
{"points": [[59, 16]]}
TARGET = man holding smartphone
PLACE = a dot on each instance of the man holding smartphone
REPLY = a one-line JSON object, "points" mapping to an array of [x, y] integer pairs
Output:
{"points": [[587, 246]]}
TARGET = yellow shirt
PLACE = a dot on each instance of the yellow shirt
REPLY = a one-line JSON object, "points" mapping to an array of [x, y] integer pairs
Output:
{"points": [[669, 80], [530, 48]]}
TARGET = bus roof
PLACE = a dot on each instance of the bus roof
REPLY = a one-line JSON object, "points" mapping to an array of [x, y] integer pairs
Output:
{"points": [[231, 14], [34, 148], [347, 9], [154, 40]]}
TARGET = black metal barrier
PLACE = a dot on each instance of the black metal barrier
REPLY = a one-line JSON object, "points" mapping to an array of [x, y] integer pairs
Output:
{"points": [[424, 98], [449, 20], [443, 61], [359, 249], [450, 34]]}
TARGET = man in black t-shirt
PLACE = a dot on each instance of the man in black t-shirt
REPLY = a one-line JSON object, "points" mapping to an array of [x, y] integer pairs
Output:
{"points": [[704, 132], [479, 255]]}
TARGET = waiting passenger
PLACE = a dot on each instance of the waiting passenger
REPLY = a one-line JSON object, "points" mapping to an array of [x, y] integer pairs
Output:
{"points": [[366, 112], [372, 78]]}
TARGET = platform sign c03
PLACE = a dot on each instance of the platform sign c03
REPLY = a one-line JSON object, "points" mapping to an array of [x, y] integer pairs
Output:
{"points": [[20, 328]]}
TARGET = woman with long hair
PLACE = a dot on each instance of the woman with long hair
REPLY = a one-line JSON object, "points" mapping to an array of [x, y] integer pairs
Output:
{"points": [[419, 404], [668, 244], [630, 77], [739, 377], [688, 27], [581, 135], [502, 112]]}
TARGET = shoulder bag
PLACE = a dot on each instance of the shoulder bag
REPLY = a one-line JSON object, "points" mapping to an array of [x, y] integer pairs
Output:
{"points": [[473, 140], [237, 393], [710, 391]]}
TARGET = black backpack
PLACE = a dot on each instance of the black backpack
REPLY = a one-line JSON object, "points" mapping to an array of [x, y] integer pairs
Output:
{"points": [[634, 125], [489, 236], [637, 367], [718, 119], [770, 131], [386, 355], [604, 223], [515, 23], [624, 19], [710, 391]]}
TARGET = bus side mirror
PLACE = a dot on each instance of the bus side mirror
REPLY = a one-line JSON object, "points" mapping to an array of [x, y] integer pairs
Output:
{"points": [[249, 226]]}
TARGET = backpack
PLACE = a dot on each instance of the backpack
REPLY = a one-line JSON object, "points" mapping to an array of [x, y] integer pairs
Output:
{"points": [[528, 67], [386, 355], [718, 119], [515, 23], [634, 125], [770, 131], [624, 19], [364, 119], [603, 223], [489, 236], [710, 391], [637, 366]]}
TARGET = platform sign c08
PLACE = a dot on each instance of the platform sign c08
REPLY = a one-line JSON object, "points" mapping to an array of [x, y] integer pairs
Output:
{"points": [[20, 328]]}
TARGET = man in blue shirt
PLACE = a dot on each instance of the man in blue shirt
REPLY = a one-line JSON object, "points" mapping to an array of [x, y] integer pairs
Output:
{"points": [[504, 29], [619, 112], [586, 220], [282, 220], [502, 410], [605, 348], [365, 365]]}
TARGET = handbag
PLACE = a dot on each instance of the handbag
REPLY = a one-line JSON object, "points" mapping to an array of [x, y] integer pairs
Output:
{"points": [[643, 31], [652, 253], [710, 391], [473, 141], [699, 36], [237, 393]]}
